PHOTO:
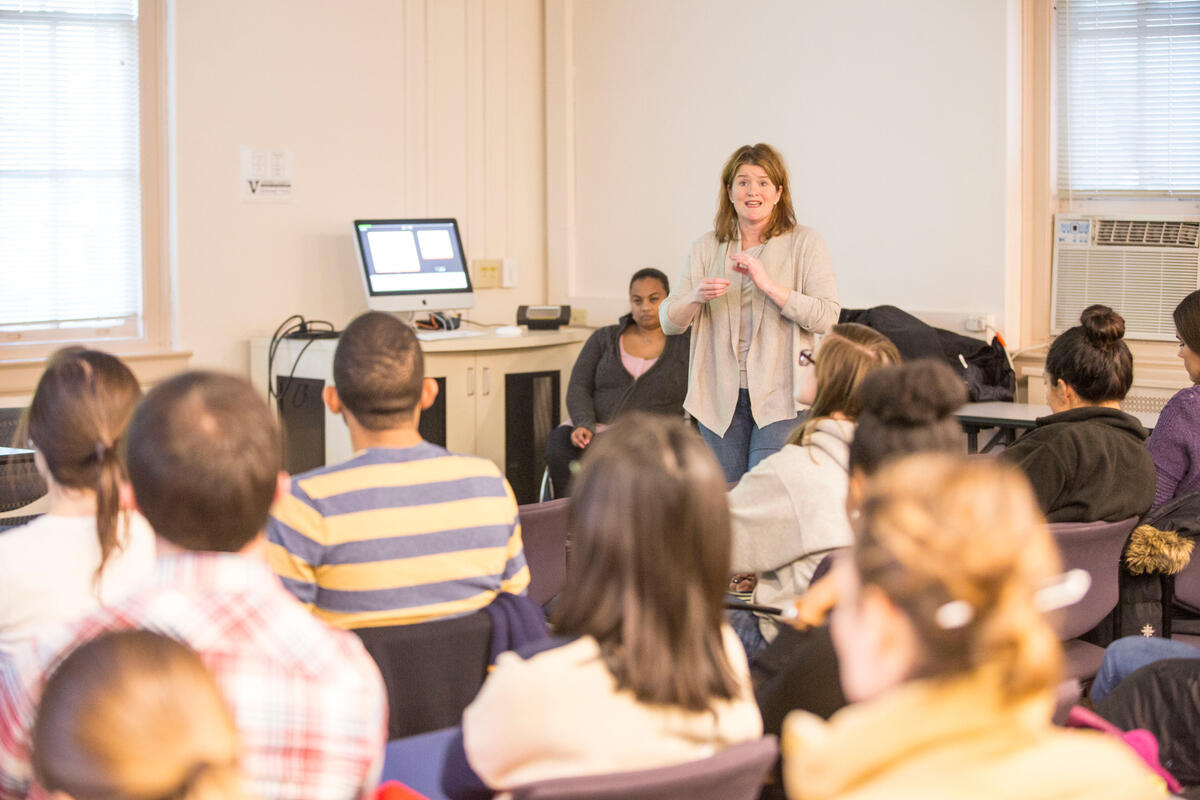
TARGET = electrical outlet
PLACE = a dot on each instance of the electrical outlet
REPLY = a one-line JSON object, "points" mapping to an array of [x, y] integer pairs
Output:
{"points": [[578, 318], [487, 273]]}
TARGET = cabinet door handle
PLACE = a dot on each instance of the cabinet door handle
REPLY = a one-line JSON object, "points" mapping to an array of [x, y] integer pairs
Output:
{"points": [[470, 381], [487, 380]]}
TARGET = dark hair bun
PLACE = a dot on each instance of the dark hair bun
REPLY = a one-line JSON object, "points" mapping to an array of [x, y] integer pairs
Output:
{"points": [[920, 392], [1102, 326]]}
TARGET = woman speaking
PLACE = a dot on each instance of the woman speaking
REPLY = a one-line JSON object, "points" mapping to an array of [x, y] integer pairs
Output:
{"points": [[754, 290]]}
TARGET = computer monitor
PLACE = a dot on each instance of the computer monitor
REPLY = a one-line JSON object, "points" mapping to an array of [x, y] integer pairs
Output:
{"points": [[413, 264]]}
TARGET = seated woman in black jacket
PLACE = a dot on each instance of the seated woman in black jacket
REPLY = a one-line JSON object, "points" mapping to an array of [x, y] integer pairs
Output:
{"points": [[630, 366], [1088, 460]]}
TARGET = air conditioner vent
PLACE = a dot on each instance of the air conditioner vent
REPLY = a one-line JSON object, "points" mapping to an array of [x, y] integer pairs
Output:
{"points": [[1140, 267], [1146, 233]]}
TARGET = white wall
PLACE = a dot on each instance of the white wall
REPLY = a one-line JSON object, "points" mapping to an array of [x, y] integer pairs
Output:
{"points": [[389, 107], [893, 117]]}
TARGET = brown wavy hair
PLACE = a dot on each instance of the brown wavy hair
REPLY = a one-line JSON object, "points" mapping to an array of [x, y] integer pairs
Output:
{"points": [[135, 714], [936, 528], [783, 218], [849, 353], [77, 418], [650, 551]]}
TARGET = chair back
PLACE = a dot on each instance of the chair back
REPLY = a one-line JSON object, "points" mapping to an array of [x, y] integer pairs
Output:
{"points": [[544, 536], [1095, 547], [431, 670], [735, 773], [20, 483]]}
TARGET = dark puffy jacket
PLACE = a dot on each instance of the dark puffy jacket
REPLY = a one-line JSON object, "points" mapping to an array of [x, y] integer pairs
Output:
{"points": [[1163, 698]]}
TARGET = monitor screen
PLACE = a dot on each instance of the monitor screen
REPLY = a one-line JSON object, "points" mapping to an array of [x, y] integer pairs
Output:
{"points": [[413, 264]]}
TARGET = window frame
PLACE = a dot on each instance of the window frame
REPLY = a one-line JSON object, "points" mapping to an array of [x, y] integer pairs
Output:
{"points": [[1156, 363], [18, 356]]}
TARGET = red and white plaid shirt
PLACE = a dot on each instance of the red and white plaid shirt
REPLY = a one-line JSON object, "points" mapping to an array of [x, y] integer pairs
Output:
{"points": [[308, 701]]}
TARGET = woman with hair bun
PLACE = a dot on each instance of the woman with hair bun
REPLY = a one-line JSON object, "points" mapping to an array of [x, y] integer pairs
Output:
{"points": [[1088, 461], [943, 648], [135, 715], [87, 549], [1175, 443]]}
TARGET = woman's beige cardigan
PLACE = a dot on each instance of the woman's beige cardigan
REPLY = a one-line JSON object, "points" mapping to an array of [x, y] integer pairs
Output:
{"points": [[797, 259]]}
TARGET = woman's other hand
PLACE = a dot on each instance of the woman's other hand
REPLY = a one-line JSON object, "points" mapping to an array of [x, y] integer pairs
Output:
{"points": [[814, 606], [581, 437], [709, 289], [748, 265]]}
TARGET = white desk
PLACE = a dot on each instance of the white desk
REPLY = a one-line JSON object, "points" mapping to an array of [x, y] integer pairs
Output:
{"points": [[1011, 418]]}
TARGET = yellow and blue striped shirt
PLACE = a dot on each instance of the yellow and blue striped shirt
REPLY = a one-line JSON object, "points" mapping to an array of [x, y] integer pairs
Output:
{"points": [[398, 536]]}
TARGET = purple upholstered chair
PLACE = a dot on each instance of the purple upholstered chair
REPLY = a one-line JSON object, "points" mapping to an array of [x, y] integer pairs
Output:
{"points": [[735, 773], [1095, 547], [544, 535]]}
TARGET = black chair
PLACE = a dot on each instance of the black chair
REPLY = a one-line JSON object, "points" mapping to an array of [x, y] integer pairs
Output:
{"points": [[431, 670], [735, 773], [20, 483], [1095, 547], [544, 537]]}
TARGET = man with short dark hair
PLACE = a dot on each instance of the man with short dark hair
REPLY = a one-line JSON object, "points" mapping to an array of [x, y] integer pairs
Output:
{"points": [[204, 464], [404, 531]]}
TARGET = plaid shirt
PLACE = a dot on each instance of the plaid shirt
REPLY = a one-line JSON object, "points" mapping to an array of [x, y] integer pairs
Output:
{"points": [[308, 701]]}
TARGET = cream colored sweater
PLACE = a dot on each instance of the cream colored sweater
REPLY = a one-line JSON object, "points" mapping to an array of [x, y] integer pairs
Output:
{"points": [[797, 259], [559, 713]]}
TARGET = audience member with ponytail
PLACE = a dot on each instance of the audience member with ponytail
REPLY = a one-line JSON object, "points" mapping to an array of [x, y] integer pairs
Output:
{"points": [[1175, 443], [1088, 461], [135, 715], [944, 650], [87, 550]]}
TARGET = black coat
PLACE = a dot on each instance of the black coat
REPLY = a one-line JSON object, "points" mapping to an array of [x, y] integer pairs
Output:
{"points": [[1163, 698], [1087, 464]]}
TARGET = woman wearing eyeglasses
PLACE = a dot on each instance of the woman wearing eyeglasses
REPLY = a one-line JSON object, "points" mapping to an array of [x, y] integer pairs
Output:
{"points": [[790, 511], [754, 292]]}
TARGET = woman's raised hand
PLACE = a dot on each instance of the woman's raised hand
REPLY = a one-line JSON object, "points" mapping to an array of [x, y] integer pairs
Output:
{"points": [[747, 264], [709, 289]]}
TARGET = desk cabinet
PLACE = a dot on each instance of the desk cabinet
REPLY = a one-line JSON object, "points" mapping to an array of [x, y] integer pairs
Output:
{"points": [[498, 397]]}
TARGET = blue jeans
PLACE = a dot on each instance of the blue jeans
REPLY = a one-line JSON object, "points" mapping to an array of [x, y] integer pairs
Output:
{"points": [[745, 625], [1130, 654], [744, 443]]}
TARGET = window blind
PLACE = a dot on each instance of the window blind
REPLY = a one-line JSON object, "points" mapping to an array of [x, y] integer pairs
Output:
{"points": [[1128, 97], [70, 198]]}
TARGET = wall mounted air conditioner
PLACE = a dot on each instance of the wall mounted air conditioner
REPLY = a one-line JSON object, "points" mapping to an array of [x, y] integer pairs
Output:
{"points": [[1140, 266]]}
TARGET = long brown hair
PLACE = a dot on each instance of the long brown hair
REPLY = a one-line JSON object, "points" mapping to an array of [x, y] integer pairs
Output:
{"points": [[1187, 320], [937, 529], [649, 562], [135, 714], [783, 218], [78, 415], [849, 353]]}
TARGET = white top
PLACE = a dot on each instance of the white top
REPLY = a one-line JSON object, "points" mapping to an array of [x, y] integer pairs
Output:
{"points": [[47, 569], [789, 512]]}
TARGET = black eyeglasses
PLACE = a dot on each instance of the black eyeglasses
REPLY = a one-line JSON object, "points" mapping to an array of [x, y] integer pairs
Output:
{"points": [[807, 358]]}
